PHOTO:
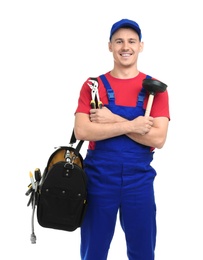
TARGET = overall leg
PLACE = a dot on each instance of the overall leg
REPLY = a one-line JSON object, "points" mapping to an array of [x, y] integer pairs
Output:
{"points": [[138, 216], [97, 231], [103, 202]]}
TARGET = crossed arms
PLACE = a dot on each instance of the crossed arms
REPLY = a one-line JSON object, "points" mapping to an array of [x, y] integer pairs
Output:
{"points": [[102, 124]]}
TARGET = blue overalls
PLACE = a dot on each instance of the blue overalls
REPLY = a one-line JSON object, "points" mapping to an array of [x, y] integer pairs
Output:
{"points": [[120, 178]]}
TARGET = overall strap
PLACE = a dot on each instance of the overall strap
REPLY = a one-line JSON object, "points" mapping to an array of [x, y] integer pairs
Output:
{"points": [[109, 90], [142, 94]]}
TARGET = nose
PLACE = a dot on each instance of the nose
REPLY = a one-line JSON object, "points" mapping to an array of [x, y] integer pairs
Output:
{"points": [[125, 46]]}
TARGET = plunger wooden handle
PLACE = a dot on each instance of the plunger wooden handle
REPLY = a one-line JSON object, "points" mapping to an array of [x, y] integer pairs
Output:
{"points": [[149, 105]]}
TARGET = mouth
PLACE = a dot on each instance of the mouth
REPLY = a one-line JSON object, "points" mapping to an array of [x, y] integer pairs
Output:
{"points": [[125, 54]]}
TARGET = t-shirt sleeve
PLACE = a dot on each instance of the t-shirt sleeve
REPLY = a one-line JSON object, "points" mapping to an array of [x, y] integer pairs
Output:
{"points": [[160, 106], [84, 99]]}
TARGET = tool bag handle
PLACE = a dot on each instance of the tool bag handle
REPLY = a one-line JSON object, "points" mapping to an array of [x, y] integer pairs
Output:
{"points": [[73, 140]]}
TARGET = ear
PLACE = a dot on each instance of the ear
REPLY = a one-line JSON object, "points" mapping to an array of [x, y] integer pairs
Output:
{"points": [[141, 46], [110, 46]]}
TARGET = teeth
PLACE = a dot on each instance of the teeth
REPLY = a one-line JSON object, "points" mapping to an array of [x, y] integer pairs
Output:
{"points": [[125, 54]]}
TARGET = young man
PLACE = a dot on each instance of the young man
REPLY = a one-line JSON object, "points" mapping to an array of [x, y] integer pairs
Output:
{"points": [[122, 143]]}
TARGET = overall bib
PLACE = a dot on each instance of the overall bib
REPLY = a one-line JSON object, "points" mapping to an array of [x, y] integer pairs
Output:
{"points": [[120, 179]]}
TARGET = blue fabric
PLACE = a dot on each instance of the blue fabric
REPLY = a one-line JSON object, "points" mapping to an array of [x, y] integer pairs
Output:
{"points": [[120, 180], [125, 23]]}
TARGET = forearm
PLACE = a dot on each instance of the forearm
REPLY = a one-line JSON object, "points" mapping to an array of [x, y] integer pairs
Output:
{"points": [[151, 139], [90, 131], [156, 137]]}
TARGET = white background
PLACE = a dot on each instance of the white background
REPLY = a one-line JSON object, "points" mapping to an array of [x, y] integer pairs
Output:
{"points": [[47, 50]]}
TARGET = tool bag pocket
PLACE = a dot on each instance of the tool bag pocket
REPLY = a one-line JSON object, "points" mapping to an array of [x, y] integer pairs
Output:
{"points": [[58, 209]]}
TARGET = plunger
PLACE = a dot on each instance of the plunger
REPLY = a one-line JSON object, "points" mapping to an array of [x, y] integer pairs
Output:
{"points": [[153, 86]]}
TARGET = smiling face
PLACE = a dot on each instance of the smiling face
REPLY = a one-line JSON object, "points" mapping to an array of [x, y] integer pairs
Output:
{"points": [[125, 46]]}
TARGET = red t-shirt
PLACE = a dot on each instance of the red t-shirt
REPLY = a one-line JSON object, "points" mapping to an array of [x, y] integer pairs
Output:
{"points": [[126, 92]]}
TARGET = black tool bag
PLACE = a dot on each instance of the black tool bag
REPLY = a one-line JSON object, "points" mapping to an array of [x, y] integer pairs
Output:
{"points": [[60, 194]]}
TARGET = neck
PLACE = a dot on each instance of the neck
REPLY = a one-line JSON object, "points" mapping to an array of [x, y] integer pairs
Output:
{"points": [[124, 73]]}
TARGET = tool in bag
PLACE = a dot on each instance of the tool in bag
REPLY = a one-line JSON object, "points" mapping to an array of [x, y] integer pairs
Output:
{"points": [[60, 194]]}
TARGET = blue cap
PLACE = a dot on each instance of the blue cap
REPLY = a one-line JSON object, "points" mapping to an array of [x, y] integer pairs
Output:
{"points": [[125, 23]]}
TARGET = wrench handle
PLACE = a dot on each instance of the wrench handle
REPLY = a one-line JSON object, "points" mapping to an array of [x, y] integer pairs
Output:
{"points": [[93, 104], [100, 104]]}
